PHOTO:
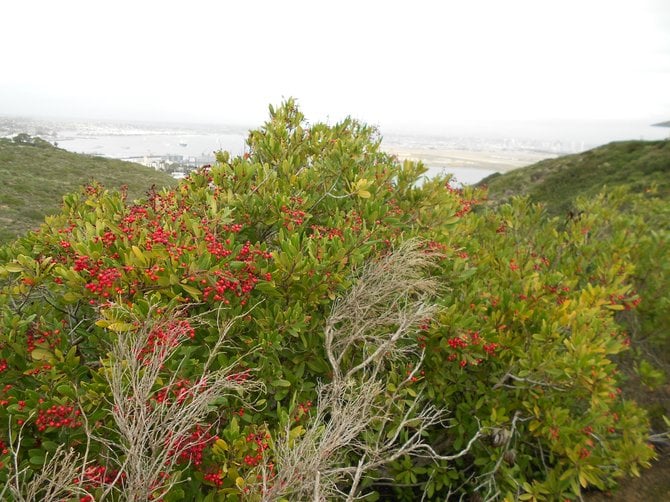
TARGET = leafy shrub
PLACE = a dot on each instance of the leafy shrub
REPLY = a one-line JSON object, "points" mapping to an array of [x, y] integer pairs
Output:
{"points": [[326, 323]]}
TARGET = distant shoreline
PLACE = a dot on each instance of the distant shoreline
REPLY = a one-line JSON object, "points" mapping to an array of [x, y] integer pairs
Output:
{"points": [[497, 161]]}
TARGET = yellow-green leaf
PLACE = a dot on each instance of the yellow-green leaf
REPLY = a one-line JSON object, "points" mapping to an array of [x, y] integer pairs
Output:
{"points": [[140, 255], [41, 354], [219, 447], [13, 267], [120, 326]]}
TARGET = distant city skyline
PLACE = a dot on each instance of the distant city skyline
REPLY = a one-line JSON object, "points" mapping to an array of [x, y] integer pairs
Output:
{"points": [[425, 65]]}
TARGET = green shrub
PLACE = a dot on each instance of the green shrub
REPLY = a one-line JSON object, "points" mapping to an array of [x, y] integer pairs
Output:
{"points": [[309, 320]]}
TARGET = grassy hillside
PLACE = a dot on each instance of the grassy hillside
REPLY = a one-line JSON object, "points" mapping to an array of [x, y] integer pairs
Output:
{"points": [[556, 182], [34, 175]]}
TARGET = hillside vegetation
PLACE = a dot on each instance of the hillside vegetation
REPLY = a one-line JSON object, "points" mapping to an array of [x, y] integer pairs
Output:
{"points": [[34, 176], [556, 183], [309, 321], [641, 171]]}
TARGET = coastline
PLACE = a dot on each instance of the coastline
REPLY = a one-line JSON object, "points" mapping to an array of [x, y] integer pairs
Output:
{"points": [[445, 159]]}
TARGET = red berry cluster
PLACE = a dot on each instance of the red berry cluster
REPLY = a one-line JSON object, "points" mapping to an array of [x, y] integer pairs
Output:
{"points": [[303, 410], [457, 343], [434, 247], [466, 205], [393, 208], [137, 213], [189, 449], [215, 478], [412, 375], [39, 369], [329, 233], [215, 247], [629, 302], [240, 282], [43, 337], [293, 217], [93, 189], [101, 280], [261, 444], [471, 338], [159, 236], [166, 336], [107, 239], [98, 475], [58, 416], [541, 261], [4, 390], [162, 478], [180, 391], [355, 221]]}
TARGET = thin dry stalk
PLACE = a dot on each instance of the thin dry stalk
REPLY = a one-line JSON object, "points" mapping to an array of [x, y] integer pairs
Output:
{"points": [[155, 432], [55, 482], [359, 424], [390, 298]]}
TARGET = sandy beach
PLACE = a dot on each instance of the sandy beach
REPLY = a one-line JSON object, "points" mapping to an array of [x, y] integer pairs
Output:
{"points": [[496, 161]]}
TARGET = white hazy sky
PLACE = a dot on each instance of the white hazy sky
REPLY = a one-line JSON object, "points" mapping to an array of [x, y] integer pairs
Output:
{"points": [[397, 64]]}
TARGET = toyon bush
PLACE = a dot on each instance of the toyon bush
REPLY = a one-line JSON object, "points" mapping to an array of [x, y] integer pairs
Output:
{"points": [[315, 320]]}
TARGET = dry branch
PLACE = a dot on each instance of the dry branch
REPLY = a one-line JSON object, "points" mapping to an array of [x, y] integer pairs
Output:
{"points": [[359, 424], [155, 432]]}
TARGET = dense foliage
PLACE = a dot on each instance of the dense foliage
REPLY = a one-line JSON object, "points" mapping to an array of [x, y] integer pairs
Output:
{"points": [[113, 316], [642, 170]]}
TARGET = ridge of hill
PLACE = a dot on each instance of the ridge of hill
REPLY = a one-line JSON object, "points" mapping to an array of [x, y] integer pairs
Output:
{"points": [[557, 182], [34, 175]]}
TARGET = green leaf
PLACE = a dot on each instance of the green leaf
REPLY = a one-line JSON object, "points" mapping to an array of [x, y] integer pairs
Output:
{"points": [[195, 293], [50, 446], [66, 391], [37, 460]]}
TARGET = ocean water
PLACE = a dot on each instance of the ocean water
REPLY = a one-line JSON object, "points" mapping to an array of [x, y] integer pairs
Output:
{"points": [[135, 141], [187, 144]]}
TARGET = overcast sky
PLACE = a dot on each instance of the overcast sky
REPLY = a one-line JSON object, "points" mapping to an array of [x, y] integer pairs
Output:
{"points": [[396, 64]]}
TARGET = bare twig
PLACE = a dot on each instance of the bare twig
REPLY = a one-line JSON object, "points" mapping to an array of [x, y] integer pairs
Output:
{"points": [[54, 482], [359, 425], [153, 432]]}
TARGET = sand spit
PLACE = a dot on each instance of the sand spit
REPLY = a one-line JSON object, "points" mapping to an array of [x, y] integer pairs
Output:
{"points": [[500, 161]]}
